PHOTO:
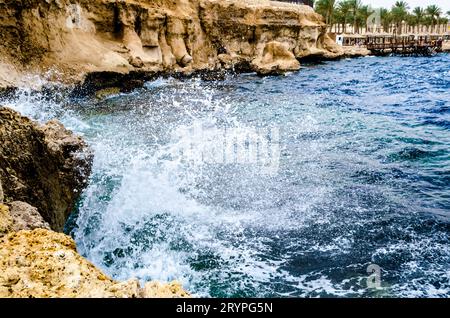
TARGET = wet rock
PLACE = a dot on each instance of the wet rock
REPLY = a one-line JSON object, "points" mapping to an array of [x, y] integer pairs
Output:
{"points": [[45, 166], [107, 92], [43, 263]]}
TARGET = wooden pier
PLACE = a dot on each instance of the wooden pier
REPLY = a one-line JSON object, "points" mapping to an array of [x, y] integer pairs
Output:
{"points": [[409, 45]]}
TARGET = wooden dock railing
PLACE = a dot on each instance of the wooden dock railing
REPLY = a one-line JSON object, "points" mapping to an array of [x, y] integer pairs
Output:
{"points": [[404, 45]]}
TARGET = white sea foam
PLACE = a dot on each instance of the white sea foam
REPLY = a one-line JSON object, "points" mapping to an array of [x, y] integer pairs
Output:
{"points": [[152, 213]]}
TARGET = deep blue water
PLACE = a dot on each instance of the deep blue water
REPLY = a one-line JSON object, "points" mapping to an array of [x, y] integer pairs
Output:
{"points": [[360, 175]]}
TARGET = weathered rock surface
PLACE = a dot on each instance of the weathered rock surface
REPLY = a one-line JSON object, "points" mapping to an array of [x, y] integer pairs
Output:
{"points": [[2, 197], [25, 217], [43, 263], [6, 221], [354, 51], [45, 166], [75, 38], [18, 216], [276, 59], [446, 46]]}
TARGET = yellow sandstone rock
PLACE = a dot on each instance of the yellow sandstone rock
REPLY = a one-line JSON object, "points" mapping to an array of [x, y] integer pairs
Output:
{"points": [[276, 58], [6, 221], [116, 37], [157, 289], [446, 46], [43, 263]]}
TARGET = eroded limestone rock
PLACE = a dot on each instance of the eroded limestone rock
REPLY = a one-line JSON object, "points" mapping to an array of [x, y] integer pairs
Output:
{"points": [[2, 197], [6, 221], [177, 35], [352, 51], [45, 166], [16, 216], [157, 289], [275, 59], [43, 263], [25, 217]]}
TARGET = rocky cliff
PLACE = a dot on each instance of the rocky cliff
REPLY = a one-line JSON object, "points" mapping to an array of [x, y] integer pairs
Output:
{"points": [[67, 39]]}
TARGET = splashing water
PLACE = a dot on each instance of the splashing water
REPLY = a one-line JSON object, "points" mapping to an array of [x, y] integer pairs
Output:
{"points": [[361, 178]]}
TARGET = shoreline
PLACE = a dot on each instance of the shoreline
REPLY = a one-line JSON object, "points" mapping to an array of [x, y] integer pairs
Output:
{"points": [[71, 43], [102, 44], [102, 84]]}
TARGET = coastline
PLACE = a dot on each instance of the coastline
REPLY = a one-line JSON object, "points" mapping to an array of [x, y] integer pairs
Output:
{"points": [[71, 43], [93, 46], [192, 41]]}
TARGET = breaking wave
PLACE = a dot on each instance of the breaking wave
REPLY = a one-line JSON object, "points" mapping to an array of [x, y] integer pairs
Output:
{"points": [[358, 176]]}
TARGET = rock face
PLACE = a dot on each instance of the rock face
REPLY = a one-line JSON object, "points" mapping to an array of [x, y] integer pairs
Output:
{"points": [[446, 46], [6, 221], [25, 217], [352, 51], [74, 38], [18, 216], [42, 263], [2, 197], [45, 166], [276, 58]]}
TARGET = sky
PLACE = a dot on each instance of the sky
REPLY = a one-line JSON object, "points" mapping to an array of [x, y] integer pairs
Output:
{"points": [[444, 4]]}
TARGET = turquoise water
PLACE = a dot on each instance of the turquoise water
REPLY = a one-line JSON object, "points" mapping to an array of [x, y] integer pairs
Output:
{"points": [[359, 175]]}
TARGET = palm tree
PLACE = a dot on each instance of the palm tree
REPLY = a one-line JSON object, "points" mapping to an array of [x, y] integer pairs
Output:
{"points": [[344, 10], [399, 13], [362, 15], [355, 5], [326, 8], [338, 20], [434, 13], [419, 14], [411, 22], [442, 22], [386, 19]]}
